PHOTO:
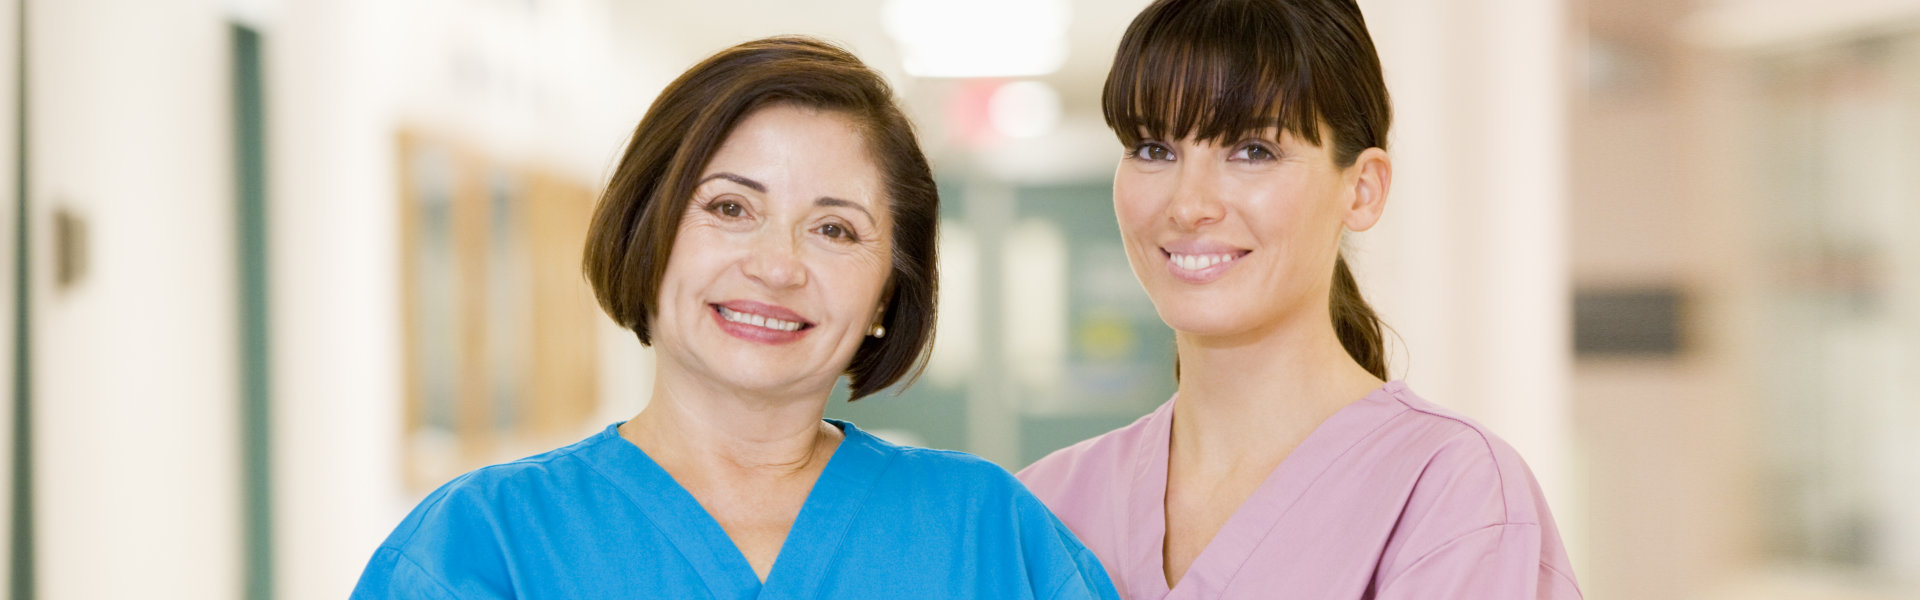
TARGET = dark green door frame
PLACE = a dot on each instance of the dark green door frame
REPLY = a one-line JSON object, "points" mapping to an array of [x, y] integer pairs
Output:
{"points": [[20, 543], [250, 168]]}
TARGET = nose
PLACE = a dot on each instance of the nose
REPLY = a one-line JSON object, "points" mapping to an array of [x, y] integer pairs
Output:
{"points": [[773, 260], [1196, 198]]}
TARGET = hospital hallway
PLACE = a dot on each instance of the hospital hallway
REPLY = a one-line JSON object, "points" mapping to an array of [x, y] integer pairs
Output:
{"points": [[278, 268]]}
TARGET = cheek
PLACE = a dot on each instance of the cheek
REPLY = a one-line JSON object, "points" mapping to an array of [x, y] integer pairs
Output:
{"points": [[853, 283], [697, 254], [1288, 211], [1136, 204], [1303, 231]]}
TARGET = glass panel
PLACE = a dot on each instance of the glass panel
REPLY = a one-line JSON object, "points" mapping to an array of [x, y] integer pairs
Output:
{"points": [[1841, 327]]}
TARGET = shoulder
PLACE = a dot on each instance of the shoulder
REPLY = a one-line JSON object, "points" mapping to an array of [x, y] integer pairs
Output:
{"points": [[479, 499], [1474, 500], [950, 469], [929, 476], [453, 542], [1465, 467], [1092, 463], [538, 475]]}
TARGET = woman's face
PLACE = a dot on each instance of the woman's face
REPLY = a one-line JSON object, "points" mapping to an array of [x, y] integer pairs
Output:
{"points": [[781, 258], [1240, 239]]}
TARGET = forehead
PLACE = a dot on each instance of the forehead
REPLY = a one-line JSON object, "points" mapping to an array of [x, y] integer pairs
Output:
{"points": [[803, 151]]}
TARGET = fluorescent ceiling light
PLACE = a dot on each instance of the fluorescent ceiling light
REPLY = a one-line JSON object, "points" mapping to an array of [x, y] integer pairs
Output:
{"points": [[982, 38]]}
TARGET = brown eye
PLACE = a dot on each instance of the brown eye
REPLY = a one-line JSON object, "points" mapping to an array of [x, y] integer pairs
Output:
{"points": [[728, 208], [836, 231], [1152, 152], [1254, 153]]}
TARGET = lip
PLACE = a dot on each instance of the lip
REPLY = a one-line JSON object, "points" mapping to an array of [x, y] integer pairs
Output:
{"points": [[755, 333], [1201, 247]]}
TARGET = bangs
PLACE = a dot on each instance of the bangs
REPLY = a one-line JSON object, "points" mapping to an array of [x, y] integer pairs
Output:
{"points": [[1216, 72]]}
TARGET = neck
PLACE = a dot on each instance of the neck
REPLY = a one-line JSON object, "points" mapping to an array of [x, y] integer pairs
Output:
{"points": [[714, 430], [1251, 397]]}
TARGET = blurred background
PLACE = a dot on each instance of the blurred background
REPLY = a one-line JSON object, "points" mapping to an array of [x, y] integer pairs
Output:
{"points": [[279, 267]]}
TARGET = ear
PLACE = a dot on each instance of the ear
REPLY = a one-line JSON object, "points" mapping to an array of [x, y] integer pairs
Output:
{"points": [[1368, 180]]}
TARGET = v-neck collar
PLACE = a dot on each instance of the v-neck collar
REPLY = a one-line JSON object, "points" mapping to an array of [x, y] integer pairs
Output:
{"points": [[1213, 570], [811, 542], [837, 496]]}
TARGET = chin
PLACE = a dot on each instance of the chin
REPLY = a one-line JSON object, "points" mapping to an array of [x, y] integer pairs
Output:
{"points": [[775, 383], [1195, 316], [751, 370]]}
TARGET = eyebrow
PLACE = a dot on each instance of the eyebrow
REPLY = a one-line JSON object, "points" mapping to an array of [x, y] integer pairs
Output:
{"points": [[832, 201], [751, 184], [829, 201]]}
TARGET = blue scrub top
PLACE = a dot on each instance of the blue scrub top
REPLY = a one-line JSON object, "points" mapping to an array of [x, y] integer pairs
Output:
{"points": [[600, 519]]}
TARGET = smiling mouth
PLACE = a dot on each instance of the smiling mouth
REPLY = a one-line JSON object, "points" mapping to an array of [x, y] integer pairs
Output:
{"points": [[747, 318], [1198, 262]]}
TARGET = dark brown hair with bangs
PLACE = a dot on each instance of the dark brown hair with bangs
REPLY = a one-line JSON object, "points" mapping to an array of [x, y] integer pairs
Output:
{"points": [[1221, 70], [638, 217]]}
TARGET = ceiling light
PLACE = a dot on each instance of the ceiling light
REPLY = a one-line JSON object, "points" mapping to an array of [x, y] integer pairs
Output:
{"points": [[982, 38]]}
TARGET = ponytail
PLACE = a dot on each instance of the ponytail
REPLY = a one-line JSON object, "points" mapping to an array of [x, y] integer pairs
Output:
{"points": [[1355, 322]]}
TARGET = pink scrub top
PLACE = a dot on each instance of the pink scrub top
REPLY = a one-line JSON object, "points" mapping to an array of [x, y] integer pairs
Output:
{"points": [[1391, 497]]}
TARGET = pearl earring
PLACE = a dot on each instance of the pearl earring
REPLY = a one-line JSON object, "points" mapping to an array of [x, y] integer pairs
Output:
{"points": [[877, 331]]}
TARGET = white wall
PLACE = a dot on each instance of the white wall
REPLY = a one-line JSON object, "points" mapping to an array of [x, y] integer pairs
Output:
{"points": [[334, 291], [135, 368]]}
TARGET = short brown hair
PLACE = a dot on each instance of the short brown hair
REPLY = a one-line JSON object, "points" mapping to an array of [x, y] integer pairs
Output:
{"points": [[638, 217], [1218, 70]]}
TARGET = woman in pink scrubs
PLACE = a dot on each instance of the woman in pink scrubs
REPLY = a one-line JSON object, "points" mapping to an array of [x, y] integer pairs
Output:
{"points": [[1286, 466]]}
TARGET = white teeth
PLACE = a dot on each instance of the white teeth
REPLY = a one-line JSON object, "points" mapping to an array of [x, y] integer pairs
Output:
{"points": [[1195, 262], [757, 320]]}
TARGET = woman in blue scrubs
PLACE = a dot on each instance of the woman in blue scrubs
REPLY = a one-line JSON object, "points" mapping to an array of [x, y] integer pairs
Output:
{"points": [[770, 228]]}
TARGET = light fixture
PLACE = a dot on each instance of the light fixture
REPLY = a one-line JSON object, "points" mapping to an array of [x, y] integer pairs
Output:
{"points": [[981, 38]]}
